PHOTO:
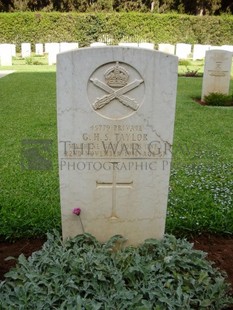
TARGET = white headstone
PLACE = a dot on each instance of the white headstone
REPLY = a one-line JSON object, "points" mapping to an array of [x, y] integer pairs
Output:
{"points": [[115, 129], [25, 50], [6, 55], [228, 48], [167, 48], [97, 44], [150, 46], [39, 49], [65, 46], [215, 47], [53, 49], [199, 51], [183, 50], [13, 50], [46, 48], [74, 45], [128, 44], [217, 72]]}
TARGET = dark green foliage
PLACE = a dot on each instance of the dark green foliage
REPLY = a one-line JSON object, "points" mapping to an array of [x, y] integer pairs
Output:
{"points": [[85, 274], [219, 99], [201, 7], [86, 28], [194, 7]]}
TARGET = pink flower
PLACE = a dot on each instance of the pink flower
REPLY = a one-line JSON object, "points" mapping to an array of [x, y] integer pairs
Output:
{"points": [[76, 211]]}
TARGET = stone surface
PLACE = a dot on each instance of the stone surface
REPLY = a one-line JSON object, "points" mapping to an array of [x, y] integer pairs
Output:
{"points": [[53, 49], [215, 47], [128, 44], [217, 72], [146, 45], [13, 50], [167, 48], [228, 48], [66, 46], [116, 109], [97, 44], [199, 51], [25, 50], [5, 55], [73, 45], [39, 49], [183, 50], [46, 48], [150, 46]]}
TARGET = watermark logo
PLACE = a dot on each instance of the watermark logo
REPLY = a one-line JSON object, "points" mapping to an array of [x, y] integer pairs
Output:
{"points": [[36, 154]]}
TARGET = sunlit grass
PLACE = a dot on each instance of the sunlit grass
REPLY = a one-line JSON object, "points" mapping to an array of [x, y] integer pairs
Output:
{"points": [[34, 63]]}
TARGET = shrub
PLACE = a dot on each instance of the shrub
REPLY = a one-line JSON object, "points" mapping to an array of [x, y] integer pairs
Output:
{"points": [[85, 28], [218, 99], [191, 73], [85, 274], [28, 61]]}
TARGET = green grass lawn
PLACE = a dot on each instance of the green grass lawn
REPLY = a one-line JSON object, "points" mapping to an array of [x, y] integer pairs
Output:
{"points": [[29, 200], [34, 63], [201, 187]]}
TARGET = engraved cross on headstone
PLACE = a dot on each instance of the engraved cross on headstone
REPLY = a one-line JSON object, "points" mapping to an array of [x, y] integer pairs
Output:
{"points": [[114, 185]]}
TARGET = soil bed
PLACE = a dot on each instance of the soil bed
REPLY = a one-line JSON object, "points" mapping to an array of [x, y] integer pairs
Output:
{"points": [[199, 101], [219, 249]]}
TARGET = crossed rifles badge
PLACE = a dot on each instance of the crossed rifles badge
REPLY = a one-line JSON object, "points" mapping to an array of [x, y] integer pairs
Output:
{"points": [[116, 87]]}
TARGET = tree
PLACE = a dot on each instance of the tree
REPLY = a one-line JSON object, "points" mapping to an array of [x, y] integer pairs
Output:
{"points": [[194, 7], [201, 7], [166, 6], [207, 6], [155, 6], [102, 5], [227, 6], [6, 6], [131, 5]]}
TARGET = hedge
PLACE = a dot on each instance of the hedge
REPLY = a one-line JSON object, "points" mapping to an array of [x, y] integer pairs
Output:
{"points": [[41, 27]]}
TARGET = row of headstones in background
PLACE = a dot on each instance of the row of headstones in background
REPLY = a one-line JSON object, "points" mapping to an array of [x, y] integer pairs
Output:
{"points": [[150, 46], [7, 51], [199, 50], [47, 48], [52, 49], [182, 50]]}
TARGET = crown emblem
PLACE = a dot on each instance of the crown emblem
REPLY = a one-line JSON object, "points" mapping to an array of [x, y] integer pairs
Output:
{"points": [[219, 57], [116, 76]]}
